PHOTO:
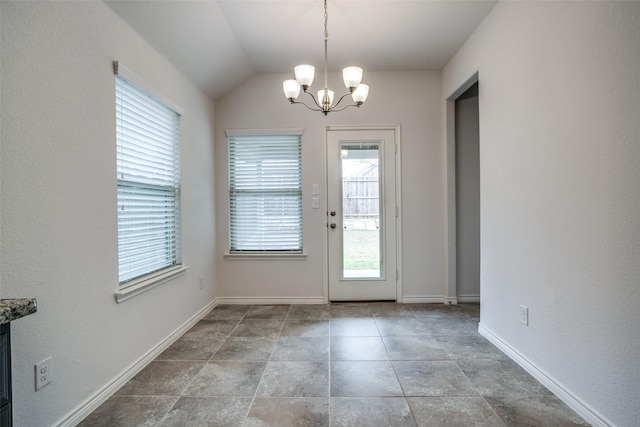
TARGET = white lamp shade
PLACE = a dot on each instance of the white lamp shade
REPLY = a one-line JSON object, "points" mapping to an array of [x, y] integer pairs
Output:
{"points": [[352, 76], [291, 89], [360, 94], [321, 98], [304, 74]]}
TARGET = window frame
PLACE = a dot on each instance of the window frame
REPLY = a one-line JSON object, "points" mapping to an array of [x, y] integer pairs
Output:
{"points": [[258, 254], [136, 285]]}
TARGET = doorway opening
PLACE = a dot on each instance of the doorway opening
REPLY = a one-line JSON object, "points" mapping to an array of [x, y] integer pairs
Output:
{"points": [[467, 179], [463, 194]]}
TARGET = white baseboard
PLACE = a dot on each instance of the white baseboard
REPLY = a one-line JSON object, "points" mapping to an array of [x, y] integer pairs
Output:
{"points": [[451, 300], [320, 300], [570, 399], [429, 300], [469, 298], [269, 301], [89, 405]]}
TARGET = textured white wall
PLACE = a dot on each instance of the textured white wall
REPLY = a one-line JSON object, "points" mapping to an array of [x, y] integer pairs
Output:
{"points": [[58, 189], [407, 99], [560, 204]]}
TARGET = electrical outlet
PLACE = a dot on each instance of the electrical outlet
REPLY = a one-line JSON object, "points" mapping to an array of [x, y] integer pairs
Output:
{"points": [[43, 373], [524, 315]]}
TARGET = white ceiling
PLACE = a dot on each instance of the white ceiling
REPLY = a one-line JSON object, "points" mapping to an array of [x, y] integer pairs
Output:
{"points": [[220, 43]]}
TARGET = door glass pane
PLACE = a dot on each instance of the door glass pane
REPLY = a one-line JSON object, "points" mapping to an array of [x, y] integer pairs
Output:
{"points": [[361, 254]]}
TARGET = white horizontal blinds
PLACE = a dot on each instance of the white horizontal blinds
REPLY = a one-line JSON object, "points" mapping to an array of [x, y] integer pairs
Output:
{"points": [[265, 178], [148, 166]]}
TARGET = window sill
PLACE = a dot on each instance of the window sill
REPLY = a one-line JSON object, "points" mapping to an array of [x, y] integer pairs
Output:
{"points": [[259, 256], [146, 283]]}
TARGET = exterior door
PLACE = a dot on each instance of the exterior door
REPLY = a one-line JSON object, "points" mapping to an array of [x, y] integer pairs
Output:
{"points": [[361, 215]]}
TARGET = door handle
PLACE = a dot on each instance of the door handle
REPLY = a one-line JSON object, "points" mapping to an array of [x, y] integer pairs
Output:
{"points": [[333, 213], [332, 225]]}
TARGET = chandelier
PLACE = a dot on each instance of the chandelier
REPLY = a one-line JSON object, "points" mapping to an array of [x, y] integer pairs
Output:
{"points": [[352, 77]]}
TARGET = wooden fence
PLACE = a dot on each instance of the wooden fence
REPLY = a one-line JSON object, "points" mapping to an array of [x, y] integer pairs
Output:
{"points": [[361, 197]]}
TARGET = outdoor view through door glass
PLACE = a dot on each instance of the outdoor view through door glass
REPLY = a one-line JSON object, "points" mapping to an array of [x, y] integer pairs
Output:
{"points": [[361, 234]]}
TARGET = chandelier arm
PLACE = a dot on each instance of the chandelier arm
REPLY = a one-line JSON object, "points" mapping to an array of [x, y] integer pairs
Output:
{"points": [[302, 103], [345, 107], [315, 101], [340, 100]]}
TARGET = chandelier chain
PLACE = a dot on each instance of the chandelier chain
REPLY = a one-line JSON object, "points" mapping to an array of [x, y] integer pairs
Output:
{"points": [[326, 19], [326, 41]]}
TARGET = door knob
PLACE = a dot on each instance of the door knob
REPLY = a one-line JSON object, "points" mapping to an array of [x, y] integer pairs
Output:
{"points": [[332, 225], [333, 213]]}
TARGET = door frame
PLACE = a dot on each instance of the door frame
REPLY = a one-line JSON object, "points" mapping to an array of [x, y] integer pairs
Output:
{"points": [[398, 185], [451, 291]]}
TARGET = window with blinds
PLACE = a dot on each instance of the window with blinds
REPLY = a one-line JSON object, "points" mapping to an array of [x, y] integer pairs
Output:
{"points": [[148, 169], [265, 193]]}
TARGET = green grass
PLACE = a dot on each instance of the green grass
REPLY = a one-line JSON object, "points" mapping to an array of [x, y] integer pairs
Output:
{"points": [[361, 249]]}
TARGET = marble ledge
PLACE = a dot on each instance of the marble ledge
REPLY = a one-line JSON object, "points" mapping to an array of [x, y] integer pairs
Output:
{"points": [[15, 308]]}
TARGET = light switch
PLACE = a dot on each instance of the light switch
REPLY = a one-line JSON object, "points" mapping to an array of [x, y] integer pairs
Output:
{"points": [[315, 189], [315, 203]]}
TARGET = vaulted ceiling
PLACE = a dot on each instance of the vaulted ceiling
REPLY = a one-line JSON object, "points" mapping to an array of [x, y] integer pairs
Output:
{"points": [[218, 44]]}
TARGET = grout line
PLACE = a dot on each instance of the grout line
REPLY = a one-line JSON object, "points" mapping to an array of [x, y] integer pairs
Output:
{"points": [[275, 343], [494, 411], [166, 414], [163, 418]]}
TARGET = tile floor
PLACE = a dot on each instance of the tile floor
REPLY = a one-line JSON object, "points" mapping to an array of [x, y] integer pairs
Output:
{"points": [[375, 364]]}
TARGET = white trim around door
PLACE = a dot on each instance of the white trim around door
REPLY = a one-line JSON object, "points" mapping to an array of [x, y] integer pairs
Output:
{"points": [[398, 202]]}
